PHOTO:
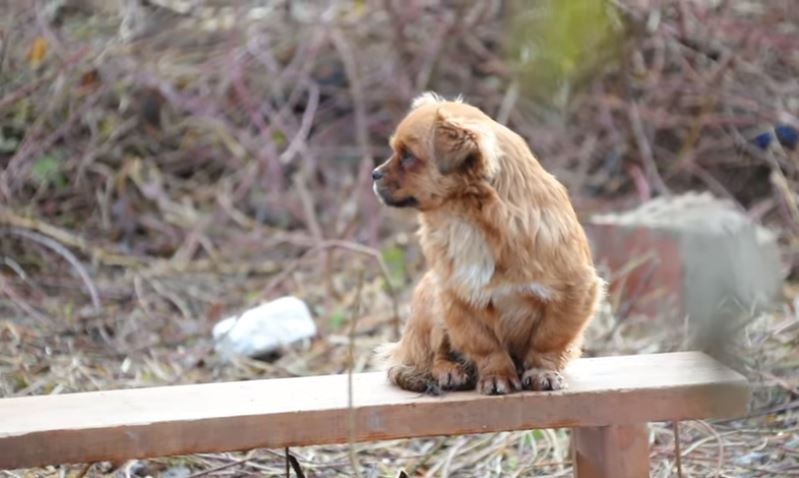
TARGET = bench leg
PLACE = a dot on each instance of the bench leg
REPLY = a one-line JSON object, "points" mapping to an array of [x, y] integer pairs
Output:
{"points": [[617, 451]]}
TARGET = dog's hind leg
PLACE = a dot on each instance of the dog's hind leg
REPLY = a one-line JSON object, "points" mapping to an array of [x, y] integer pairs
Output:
{"points": [[558, 337], [412, 360], [408, 377]]}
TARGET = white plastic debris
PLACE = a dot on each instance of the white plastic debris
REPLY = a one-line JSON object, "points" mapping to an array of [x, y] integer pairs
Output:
{"points": [[265, 328]]}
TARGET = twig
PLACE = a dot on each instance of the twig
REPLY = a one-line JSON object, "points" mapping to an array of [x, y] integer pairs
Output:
{"points": [[148, 266], [719, 442], [645, 149], [32, 86], [222, 467], [298, 142], [4, 41], [9, 217], [20, 302], [295, 465], [375, 254], [84, 470], [312, 222], [352, 247], [508, 102], [32, 144], [350, 371], [677, 452], [361, 124], [356, 90], [66, 254]]}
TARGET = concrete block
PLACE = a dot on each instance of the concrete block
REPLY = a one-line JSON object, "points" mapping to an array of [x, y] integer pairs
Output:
{"points": [[691, 256]]}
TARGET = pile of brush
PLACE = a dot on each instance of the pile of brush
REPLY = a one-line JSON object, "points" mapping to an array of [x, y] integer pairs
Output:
{"points": [[125, 122]]}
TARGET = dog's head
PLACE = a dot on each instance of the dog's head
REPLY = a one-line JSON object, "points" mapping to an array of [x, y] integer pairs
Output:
{"points": [[440, 150]]}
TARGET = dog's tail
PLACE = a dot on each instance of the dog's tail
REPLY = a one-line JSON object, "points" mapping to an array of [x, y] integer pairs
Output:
{"points": [[387, 355]]}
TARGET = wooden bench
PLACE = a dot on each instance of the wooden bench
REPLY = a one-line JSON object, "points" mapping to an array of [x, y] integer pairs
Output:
{"points": [[608, 404]]}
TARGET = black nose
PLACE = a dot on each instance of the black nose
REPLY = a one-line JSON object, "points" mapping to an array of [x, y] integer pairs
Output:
{"points": [[377, 174]]}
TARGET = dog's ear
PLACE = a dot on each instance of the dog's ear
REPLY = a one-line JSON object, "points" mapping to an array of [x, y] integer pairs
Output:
{"points": [[458, 146]]}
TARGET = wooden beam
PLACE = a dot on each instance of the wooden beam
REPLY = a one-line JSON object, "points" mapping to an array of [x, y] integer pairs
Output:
{"points": [[136, 423], [614, 451]]}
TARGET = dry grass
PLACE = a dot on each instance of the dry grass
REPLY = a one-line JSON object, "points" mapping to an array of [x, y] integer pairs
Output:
{"points": [[764, 444], [163, 167]]}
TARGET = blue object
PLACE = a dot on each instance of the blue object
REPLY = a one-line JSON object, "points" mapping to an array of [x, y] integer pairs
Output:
{"points": [[787, 135], [763, 140]]}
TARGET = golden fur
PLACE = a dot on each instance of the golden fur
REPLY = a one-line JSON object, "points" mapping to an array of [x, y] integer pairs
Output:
{"points": [[511, 284]]}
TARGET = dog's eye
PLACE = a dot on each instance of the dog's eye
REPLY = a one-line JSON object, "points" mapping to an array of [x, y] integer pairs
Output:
{"points": [[407, 158]]}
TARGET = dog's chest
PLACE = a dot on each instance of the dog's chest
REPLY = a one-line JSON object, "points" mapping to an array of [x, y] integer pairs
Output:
{"points": [[462, 258], [472, 269]]}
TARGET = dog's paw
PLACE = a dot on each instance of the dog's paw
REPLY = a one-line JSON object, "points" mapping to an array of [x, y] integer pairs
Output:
{"points": [[498, 383], [541, 379], [453, 375]]}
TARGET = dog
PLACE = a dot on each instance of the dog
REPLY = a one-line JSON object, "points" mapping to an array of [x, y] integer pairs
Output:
{"points": [[511, 283]]}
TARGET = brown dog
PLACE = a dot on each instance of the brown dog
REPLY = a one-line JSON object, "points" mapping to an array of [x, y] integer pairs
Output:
{"points": [[511, 284]]}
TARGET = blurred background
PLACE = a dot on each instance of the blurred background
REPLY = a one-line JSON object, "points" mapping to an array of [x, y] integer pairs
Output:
{"points": [[166, 164]]}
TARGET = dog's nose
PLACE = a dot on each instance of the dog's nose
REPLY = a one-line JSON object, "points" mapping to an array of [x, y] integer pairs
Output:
{"points": [[377, 174]]}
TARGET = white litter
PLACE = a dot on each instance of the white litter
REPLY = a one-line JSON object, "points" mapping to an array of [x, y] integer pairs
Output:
{"points": [[264, 329]]}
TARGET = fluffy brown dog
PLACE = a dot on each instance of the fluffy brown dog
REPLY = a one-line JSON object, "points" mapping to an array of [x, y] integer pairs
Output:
{"points": [[511, 284]]}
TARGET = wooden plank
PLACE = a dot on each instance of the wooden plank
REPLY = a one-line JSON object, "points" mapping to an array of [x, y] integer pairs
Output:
{"points": [[615, 451], [161, 421]]}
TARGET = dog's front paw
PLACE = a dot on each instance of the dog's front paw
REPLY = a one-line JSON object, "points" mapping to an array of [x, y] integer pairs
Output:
{"points": [[541, 379], [498, 382], [453, 375]]}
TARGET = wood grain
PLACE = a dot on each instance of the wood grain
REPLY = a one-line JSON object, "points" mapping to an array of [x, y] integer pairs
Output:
{"points": [[615, 451], [123, 424]]}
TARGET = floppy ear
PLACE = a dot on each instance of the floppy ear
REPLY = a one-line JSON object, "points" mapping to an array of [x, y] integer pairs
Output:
{"points": [[457, 145]]}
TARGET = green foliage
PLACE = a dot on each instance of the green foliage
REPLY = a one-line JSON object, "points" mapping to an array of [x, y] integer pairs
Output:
{"points": [[22, 113], [279, 138], [337, 319], [253, 296], [395, 261], [531, 437], [68, 310], [20, 381], [47, 170], [556, 44]]}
